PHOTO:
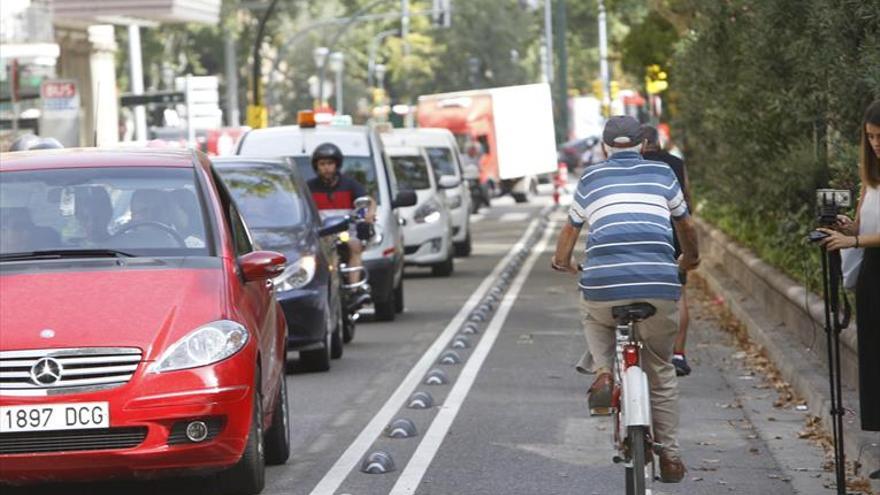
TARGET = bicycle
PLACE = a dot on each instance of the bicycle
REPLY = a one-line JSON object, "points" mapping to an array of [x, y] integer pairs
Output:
{"points": [[631, 396], [631, 399]]}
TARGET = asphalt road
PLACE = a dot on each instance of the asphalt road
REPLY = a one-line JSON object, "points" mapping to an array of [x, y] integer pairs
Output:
{"points": [[512, 418]]}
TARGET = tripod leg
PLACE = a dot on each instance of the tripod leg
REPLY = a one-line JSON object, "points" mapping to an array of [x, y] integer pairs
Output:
{"points": [[830, 290]]}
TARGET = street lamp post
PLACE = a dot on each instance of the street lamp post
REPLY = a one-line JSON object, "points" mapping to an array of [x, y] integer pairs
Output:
{"points": [[337, 65], [379, 100], [380, 69], [603, 61], [548, 41], [374, 48], [258, 116], [320, 54]]}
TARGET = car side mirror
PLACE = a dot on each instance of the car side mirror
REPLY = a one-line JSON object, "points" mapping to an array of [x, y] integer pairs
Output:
{"points": [[333, 225], [448, 182], [405, 198], [261, 265]]}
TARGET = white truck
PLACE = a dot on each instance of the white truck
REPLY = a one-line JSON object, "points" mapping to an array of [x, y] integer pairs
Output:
{"points": [[512, 128]]}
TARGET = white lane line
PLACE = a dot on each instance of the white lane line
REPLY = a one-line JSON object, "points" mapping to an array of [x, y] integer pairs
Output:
{"points": [[356, 451], [418, 464], [519, 216], [477, 217]]}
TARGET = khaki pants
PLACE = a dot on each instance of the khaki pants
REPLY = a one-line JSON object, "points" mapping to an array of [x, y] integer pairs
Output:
{"points": [[657, 334]]}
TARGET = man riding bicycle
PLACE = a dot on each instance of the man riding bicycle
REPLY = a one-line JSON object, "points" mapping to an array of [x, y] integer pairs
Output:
{"points": [[333, 191], [626, 203]]}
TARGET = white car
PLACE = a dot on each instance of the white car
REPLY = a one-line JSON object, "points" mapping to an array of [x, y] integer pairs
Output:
{"points": [[427, 226], [365, 162], [445, 158]]}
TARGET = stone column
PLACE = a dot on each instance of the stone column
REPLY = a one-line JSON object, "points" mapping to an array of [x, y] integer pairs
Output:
{"points": [[102, 64], [88, 57]]}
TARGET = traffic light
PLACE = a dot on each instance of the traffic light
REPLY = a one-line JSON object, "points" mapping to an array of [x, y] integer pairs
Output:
{"points": [[655, 79], [615, 89]]}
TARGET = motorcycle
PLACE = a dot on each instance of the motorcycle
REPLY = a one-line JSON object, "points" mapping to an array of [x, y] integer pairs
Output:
{"points": [[355, 295]]}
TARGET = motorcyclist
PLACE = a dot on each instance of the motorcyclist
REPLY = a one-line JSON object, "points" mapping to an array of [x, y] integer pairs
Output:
{"points": [[332, 190]]}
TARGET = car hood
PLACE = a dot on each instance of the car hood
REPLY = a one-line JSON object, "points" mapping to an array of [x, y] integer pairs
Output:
{"points": [[110, 306]]}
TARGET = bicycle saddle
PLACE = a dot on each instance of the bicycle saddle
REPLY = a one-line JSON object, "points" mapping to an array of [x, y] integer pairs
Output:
{"points": [[632, 312]]}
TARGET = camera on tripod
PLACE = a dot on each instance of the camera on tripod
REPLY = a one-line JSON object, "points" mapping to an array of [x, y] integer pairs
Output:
{"points": [[829, 204]]}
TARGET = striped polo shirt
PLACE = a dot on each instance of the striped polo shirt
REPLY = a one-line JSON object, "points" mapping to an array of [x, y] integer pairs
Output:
{"points": [[626, 203]]}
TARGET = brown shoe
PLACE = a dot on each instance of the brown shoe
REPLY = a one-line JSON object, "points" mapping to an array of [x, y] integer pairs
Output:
{"points": [[671, 468], [599, 399]]}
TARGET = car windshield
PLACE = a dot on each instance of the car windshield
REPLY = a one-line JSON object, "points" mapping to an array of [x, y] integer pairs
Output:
{"points": [[140, 211], [441, 161], [359, 168], [411, 171], [267, 197]]}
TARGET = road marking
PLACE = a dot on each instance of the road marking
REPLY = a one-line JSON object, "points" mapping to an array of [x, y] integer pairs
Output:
{"points": [[355, 452], [518, 216], [409, 480]]}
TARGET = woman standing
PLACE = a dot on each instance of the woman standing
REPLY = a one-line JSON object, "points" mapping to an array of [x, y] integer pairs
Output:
{"points": [[865, 233]]}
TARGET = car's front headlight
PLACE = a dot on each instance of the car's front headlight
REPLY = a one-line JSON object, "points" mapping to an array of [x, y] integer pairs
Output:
{"points": [[297, 274], [205, 345], [427, 213]]}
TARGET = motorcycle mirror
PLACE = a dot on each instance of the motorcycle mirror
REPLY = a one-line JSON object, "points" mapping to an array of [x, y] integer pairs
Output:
{"points": [[362, 202]]}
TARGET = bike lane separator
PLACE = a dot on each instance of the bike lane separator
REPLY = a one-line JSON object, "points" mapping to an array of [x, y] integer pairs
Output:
{"points": [[412, 475], [352, 456]]}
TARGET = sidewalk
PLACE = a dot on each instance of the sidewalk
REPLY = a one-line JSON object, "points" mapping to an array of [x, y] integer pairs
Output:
{"points": [[772, 409], [796, 349]]}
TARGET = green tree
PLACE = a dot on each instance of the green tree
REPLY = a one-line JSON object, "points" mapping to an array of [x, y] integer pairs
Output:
{"points": [[770, 94]]}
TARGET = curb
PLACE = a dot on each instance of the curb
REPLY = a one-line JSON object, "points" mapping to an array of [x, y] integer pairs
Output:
{"points": [[803, 369]]}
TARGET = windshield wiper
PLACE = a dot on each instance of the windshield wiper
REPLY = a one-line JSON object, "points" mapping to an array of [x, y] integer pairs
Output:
{"points": [[65, 253]]}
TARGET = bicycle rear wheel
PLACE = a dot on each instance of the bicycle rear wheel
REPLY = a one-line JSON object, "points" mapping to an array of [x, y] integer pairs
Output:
{"points": [[635, 474]]}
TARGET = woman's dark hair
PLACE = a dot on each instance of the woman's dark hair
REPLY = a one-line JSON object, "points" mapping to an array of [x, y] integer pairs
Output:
{"points": [[869, 164]]}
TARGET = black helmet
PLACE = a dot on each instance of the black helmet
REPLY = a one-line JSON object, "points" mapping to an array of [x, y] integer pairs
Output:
{"points": [[324, 151]]}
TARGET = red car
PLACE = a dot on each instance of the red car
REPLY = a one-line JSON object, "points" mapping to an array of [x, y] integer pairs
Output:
{"points": [[139, 332]]}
